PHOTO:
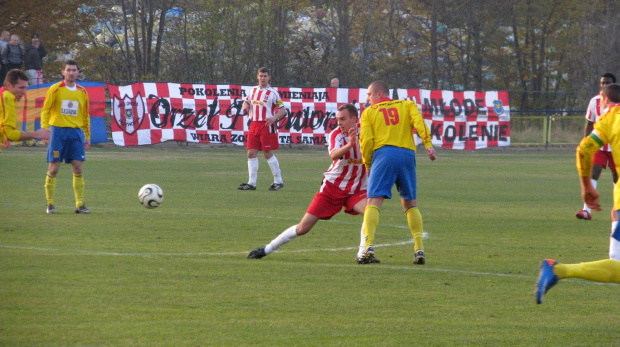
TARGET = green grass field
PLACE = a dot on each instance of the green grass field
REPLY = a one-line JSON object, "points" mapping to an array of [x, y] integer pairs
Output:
{"points": [[178, 275]]}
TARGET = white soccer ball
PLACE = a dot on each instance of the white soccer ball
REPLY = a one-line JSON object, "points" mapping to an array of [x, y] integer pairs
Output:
{"points": [[151, 195]]}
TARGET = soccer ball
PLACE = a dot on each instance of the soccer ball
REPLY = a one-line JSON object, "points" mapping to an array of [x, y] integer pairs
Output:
{"points": [[150, 195]]}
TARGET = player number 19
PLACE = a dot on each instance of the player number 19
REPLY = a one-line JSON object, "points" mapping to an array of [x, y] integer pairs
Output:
{"points": [[390, 115]]}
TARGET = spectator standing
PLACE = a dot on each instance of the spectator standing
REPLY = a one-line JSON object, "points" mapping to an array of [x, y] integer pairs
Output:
{"points": [[4, 41], [34, 60], [13, 54], [81, 75], [334, 83]]}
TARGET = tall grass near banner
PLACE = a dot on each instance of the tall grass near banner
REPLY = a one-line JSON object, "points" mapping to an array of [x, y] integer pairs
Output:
{"points": [[178, 275]]}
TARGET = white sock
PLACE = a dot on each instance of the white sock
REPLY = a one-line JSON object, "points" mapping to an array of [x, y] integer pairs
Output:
{"points": [[275, 169], [285, 237], [585, 207], [253, 171], [361, 248], [614, 245], [614, 249]]}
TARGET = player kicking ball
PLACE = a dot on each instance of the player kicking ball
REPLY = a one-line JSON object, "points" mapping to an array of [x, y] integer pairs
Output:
{"points": [[605, 132], [343, 185]]}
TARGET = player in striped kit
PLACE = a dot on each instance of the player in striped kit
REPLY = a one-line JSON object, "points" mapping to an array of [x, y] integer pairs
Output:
{"points": [[344, 185], [603, 158], [265, 108]]}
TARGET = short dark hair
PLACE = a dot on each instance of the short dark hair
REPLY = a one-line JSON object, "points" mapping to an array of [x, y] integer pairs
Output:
{"points": [[71, 62], [609, 75], [264, 70], [612, 91], [380, 86], [349, 107], [13, 76]]}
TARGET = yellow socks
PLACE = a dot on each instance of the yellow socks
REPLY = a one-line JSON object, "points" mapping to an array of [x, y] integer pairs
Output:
{"points": [[414, 220], [371, 220], [78, 189], [50, 187], [607, 270]]}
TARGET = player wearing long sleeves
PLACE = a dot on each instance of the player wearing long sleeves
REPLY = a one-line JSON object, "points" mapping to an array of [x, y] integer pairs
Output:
{"points": [[386, 140], [606, 131], [14, 89], [603, 158], [65, 113]]}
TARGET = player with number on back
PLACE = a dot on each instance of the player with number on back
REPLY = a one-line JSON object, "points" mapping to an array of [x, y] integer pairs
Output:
{"points": [[386, 140], [343, 185]]}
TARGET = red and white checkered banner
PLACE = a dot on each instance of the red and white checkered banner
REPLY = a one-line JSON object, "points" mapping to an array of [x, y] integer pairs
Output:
{"points": [[150, 113], [463, 120]]}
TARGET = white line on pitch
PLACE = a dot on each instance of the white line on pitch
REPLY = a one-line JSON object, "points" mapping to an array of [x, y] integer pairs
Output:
{"points": [[382, 266]]}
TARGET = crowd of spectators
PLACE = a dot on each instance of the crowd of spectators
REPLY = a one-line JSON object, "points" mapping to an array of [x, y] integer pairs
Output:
{"points": [[15, 54]]}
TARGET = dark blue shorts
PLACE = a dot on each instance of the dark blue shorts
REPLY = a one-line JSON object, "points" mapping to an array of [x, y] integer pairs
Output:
{"points": [[392, 165], [66, 144]]}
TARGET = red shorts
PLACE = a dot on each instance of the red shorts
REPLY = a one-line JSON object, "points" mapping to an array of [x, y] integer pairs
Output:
{"points": [[332, 199], [604, 159], [262, 137]]}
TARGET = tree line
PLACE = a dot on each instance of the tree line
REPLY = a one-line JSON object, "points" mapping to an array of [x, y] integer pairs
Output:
{"points": [[548, 53]]}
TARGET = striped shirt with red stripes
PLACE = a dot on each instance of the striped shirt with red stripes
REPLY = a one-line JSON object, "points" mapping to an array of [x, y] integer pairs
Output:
{"points": [[264, 103], [348, 173]]}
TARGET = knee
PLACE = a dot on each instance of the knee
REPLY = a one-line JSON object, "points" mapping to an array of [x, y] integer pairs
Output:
{"points": [[302, 229], [52, 171]]}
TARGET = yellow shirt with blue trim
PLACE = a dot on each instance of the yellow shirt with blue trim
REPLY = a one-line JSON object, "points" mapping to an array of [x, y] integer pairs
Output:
{"points": [[67, 108], [391, 123], [606, 131]]}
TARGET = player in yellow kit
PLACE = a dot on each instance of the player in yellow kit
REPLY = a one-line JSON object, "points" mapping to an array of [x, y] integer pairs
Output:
{"points": [[606, 131], [15, 85], [388, 151], [65, 113]]}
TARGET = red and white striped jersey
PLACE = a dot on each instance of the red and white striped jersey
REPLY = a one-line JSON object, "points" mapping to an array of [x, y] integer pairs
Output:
{"points": [[264, 103], [347, 173], [593, 114]]}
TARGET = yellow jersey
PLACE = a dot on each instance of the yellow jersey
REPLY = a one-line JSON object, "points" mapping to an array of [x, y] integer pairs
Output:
{"points": [[8, 117], [606, 131], [391, 123], [67, 108]]}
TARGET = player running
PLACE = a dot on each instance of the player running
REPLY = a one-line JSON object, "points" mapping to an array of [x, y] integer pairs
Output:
{"points": [[605, 131]]}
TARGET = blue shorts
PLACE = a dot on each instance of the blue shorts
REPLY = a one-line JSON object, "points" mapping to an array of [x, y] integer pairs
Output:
{"points": [[392, 165], [66, 144]]}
